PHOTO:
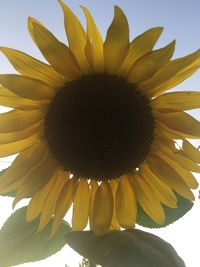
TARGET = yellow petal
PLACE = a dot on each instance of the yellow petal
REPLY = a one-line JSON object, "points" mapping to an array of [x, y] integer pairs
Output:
{"points": [[169, 145], [176, 101], [55, 52], [185, 162], [163, 137], [13, 186], [9, 99], [114, 223], [164, 130], [18, 183], [44, 201], [30, 27], [147, 199], [178, 78], [76, 37], [94, 44], [22, 164], [63, 204], [19, 135], [190, 151], [180, 122], [26, 87], [149, 64], [36, 179], [5, 92], [163, 192], [52, 191], [93, 190], [81, 204], [102, 209], [169, 176], [20, 145], [171, 74], [125, 202], [43, 193], [16, 120], [34, 206], [140, 46], [117, 41], [176, 164], [29, 66]]}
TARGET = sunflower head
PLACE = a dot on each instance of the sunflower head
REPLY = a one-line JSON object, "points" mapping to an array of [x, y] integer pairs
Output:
{"points": [[95, 128]]}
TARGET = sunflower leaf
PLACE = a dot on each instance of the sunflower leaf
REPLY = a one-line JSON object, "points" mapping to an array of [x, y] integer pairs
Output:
{"points": [[171, 215], [126, 248], [22, 244], [9, 194]]}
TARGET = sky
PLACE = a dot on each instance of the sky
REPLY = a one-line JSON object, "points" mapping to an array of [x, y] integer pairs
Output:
{"points": [[181, 21]]}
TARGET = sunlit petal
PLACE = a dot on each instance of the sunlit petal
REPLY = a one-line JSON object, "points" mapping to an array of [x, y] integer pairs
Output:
{"points": [[149, 64], [26, 87], [76, 37], [169, 176], [81, 204], [117, 41], [126, 208], [9, 99], [177, 101], [147, 199], [55, 52], [94, 45], [140, 46], [102, 209], [29, 66]]}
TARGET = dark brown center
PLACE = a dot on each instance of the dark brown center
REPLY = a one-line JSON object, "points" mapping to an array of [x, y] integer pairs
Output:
{"points": [[99, 127]]}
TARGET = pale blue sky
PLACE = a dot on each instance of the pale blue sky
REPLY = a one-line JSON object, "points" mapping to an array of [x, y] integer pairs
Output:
{"points": [[180, 18], [181, 21]]}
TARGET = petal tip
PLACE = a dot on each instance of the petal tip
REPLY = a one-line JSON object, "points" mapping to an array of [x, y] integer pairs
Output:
{"points": [[62, 4], [173, 42], [30, 19], [118, 10]]}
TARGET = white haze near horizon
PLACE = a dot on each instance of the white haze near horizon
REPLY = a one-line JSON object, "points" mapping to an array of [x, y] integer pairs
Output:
{"points": [[181, 21]]}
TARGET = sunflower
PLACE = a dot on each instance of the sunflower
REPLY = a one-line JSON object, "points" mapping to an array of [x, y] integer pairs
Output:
{"points": [[95, 128]]}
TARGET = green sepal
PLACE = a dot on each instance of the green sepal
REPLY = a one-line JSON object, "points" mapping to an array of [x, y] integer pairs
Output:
{"points": [[20, 242], [171, 215]]}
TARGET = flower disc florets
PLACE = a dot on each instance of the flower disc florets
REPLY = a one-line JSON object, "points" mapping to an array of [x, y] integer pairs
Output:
{"points": [[99, 126]]}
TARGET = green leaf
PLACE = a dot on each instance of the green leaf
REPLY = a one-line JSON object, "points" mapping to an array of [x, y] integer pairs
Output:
{"points": [[171, 215], [9, 194], [126, 248], [20, 243]]}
